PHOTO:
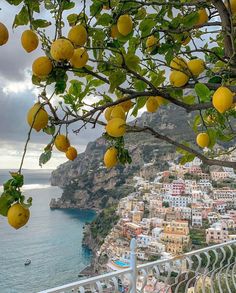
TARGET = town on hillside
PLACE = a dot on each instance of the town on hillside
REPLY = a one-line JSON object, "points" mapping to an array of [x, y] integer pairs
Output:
{"points": [[186, 207]]}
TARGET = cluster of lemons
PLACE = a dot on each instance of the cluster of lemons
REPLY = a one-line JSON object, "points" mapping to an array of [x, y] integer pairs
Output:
{"points": [[116, 127]]}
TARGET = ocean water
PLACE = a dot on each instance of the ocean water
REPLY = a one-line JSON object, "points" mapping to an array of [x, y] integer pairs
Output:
{"points": [[52, 240]]}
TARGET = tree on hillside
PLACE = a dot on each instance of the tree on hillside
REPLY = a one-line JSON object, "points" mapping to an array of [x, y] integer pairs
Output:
{"points": [[108, 59]]}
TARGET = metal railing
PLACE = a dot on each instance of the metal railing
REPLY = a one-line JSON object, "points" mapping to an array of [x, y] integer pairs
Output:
{"points": [[208, 270]]}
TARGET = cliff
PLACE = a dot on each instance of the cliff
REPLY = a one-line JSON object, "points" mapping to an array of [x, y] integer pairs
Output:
{"points": [[87, 183]]}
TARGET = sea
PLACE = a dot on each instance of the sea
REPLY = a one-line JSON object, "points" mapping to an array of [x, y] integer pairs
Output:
{"points": [[52, 240]]}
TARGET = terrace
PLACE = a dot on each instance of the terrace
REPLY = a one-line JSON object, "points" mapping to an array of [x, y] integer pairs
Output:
{"points": [[208, 270]]}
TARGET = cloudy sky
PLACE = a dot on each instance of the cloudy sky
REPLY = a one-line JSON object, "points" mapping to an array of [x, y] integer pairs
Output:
{"points": [[17, 95]]}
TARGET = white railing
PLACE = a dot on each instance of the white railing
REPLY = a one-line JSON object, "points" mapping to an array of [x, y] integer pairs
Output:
{"points": [[208, 270]]}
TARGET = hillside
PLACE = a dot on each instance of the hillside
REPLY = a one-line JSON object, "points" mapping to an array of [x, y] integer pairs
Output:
{"points": [[88, 184]]}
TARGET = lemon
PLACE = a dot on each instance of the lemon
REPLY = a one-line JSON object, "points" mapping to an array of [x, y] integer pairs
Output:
{"points": [[114, 32], [152, 104], [178, 63], [107, 113], [127, 105], [80, 58], [196, 66], [110, 157], [29, 40], [203, 16], [125, 24], [178, 78], [62, 143], [37, 117], [232, 5], [4, 35], [78, 35], [116, 127], [42, 66], [71, 153], [151, 43], [222, 99], [18, 215], [62, 49], [118, 112], [203, 140], [161, 101]]}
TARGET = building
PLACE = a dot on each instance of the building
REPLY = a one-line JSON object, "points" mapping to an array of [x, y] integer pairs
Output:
{"points": [[217, 233], [131, 230], [175, 236], [197, 217]]}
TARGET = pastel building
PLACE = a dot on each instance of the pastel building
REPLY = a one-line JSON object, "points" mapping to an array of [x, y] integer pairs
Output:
{"points": [[217, 233]]}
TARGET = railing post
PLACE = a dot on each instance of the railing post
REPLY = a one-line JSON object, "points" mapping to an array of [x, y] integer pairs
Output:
{"points": [[133, 264]]}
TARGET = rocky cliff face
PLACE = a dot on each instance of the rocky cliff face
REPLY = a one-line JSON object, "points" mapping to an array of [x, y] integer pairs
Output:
{"points": [[88, 184]]}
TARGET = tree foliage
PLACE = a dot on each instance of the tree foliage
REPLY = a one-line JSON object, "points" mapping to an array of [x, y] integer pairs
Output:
{"points": [[134, 58]]}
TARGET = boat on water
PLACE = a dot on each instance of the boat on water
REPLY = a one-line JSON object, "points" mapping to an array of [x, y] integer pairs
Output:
{"points": [[27, 262]]}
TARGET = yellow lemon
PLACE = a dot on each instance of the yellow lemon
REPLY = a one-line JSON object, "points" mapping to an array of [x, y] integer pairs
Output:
{"points": [[18, 215], [178, 63], [203, 140], [62, 143], [127, 105], [4, 35], [161, 101], [78, 35], [110, 157], [178, 78], [42, 66], [152, 104], [107, 113], [222, 99], [116, 127], [196, 66], [71, 153], [203, 16], [29, 40], [62, 49], [232, 5], [37, 117], [114, 32], [125, 24], [80, 58], [151, 43], [118, 112]]}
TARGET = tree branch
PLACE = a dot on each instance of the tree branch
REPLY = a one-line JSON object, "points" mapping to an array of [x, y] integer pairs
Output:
{"points": [[203, 158]]}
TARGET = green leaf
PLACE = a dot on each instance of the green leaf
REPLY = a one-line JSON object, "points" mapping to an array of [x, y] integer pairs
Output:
{"points": [[116, 78], [191, 19], [104, 20], [146, 26], [140, 85], [18, 179], [42, 23], [75, 88], [60, 86], [203, 92], [45, 157], [141, 101], [5, 203], [212, 135], [196, 123], [215, 79], [14, 2], [190, 99], [72, 19], [132, 61], [68, 5], [50, 130], [22, 18]]}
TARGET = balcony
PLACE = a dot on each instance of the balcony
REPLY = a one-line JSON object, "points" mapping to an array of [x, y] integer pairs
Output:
{"points": [[208, 270]]}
